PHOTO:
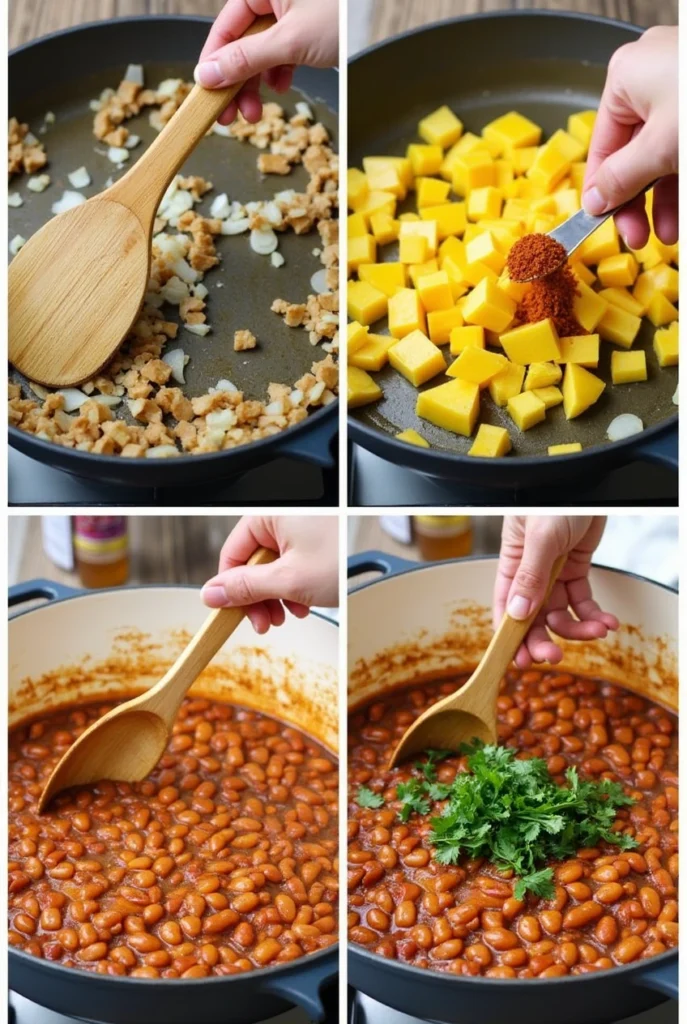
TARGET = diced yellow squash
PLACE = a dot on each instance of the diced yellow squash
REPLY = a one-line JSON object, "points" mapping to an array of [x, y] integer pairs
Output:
{"points": [[604, 242], [483, 249], [450, 218], [514, 289], [431, 191], [417, 358], [569, 146], [504, 175], [409, 216], [477, 365], [542, 375], [411, 436], [484, 202], [567, 201], [435, 291], [424, 159], [462, 337], [588, 307], [356, 225], [411, 248], [666, 279], [581, 126], [384, 228], [549, 167], [405, 313], [507, 384], [644, 289], [440, 128], [618, 271], [374, 354], [532, 343], [441, 322], [472, 170], [357, 336], [490, 442], [401, 164], [427, 229], [453, 406], [623, 299], [583, 273], [619, 326], [565, 449], [523, 158], [487, 306], [358, 187], [628, 367], [577, 174], [660, 311], [365, 302], [387, 277], [377, 202], [386, 179], [666, 345], [526, 410], [362, 249], [580, 390], [512, 131], [362, 389], [653, 253], [550, 396], [582, 349], [418, 270]]}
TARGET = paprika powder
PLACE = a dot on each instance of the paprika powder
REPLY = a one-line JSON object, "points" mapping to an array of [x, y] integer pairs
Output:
{"points": [[552, 292]]}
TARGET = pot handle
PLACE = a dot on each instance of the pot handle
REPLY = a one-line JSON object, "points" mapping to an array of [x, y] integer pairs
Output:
{"points": [[317, 445], [303, 990], [663, 451], [663, 979], [378, 561], [30, 590]]}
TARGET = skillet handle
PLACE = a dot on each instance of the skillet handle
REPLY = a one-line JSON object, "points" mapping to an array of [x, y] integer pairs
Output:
{"points": [[317, 445], [304, 989], [379, 561], [30, 590], [663, 451], [663, 979]]}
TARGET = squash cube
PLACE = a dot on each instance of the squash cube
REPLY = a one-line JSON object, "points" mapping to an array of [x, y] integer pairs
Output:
{"points": [[431, 191], [387, 277], [424, 159], [405, 313], [514, 289], [412, 248], [472, 170], [487, 306], [582, 349], [618, 271], [549, 167], [588, 307], [477, 365], [644, 289], [411, 436], [569, 146], [365, 303], [583, 273], [580, 390], [386, 179], [440, 128], [427, 229], [542, 375], [484, 202], [417, 358], [441, 323], [362, 249], [581, 126], [512, 131], [462, 337], [550, 396], [619, 326], [601, 243], [384, 228], [621, 298], [666, 279], [628, 367], [362, 389], [400, 164], [377, 202], [450, 218], [483, 249], [660, 311], [565, 449], [666, 345], [507, 384], [526, 410], [374, 354], [453, 406], [532, 343], [491, 442], [435, 291], [356, 225], [523, 158], [358, 187], [419, 270], [356, 337]]}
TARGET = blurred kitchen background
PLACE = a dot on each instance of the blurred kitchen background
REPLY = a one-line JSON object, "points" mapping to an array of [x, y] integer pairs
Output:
{"points": [[646, 545], [370, 21]]}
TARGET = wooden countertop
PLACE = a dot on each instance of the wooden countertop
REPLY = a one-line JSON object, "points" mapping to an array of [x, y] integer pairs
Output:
{"points": [[389, 17], [29, 19]]}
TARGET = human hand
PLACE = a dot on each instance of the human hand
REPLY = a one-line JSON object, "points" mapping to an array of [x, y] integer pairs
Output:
{"points": [[635, 138], [305, 573], [529, 547], [307, 32]]}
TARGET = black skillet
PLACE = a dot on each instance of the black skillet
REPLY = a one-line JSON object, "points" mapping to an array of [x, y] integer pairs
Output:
{"points": [[545, 65], [62, 73]]}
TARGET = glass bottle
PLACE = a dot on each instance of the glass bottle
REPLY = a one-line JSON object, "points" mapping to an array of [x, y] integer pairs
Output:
{"points": [[441, 537], [101, 550]]}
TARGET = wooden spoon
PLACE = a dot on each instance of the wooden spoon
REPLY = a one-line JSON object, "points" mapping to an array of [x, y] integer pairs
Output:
{"points": [[77, 286], [471, 711], [127, 742]]}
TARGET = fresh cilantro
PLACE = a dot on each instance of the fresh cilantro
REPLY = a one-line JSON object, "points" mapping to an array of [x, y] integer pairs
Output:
{"points": [[512, 813], [366, 798]]}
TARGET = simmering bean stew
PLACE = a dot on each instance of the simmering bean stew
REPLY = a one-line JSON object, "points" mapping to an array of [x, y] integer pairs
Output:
{"points": [[609, 906], [223, 860]]}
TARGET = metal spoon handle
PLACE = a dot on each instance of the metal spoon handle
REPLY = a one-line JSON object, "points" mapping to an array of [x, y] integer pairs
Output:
{"points": [[573, 231]]}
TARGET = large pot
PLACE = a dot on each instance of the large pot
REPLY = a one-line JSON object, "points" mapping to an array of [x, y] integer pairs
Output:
{"points": [[80, 645], [420, 621]]}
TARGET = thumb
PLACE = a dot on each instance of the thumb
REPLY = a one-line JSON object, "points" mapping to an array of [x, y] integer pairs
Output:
{"points": [[528, 589], [248, 56], [624, 174], [245, 585]]}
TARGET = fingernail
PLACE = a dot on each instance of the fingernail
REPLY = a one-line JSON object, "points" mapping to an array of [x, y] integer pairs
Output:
{"points": [[214, 596], [593, 202], [519, 607], [209, 75]]}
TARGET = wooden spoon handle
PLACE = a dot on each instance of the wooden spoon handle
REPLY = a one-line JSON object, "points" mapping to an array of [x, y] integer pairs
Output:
{"points": [[144, 185], [167, 695]]}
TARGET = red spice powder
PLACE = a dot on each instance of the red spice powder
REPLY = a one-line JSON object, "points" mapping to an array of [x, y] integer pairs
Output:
{"points": [[535, 255], [552, 297]]}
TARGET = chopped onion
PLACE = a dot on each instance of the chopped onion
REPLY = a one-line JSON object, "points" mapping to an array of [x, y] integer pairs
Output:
{"points": [[79, 178], [38, 389], [118, 154], [162, 451], [236, 226], [200, 329], [169, 86], [132, 141], [176, 359], [318, 282], [173, 246], [220, 206], [134, 73], [263, 241], [275, 408], [49, 117], [273, 214], [304, 110], [109, 400], [277, 260], [221, 129], [174, 291], [286, 196], [63, 420], [315, 394], [223, 385], [180, 202], [135, 405], [95, 105], [185, 271], [38, 183], [199, 291], [14, 199], [296, 397], [30, 139], [68, 201], [73, 398], [624, 426], [16, 244], [221, 419], [328, 397]]}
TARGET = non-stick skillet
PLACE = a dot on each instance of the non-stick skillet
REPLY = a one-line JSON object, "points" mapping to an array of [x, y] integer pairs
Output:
{"points": [[545, 65], [61, 73]]}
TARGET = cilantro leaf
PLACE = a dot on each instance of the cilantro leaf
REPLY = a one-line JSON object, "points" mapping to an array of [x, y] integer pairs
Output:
{"points": [[366, 798]]}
